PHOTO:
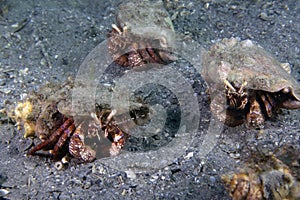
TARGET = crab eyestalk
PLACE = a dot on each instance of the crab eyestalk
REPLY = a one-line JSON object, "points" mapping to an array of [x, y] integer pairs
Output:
{"points": [[237, 97]]}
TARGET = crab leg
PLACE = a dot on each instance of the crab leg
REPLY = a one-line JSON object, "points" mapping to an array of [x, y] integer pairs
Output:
{"points": [[291, 104], [268, 105], [153, 55], [116, 28], [147, 54], [255, 116], [53, 138], [116, 135], [62, 140], [242, 87]]}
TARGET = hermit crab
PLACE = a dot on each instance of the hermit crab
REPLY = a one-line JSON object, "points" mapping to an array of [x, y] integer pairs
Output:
{"points": [[70, 135], [245, 81], [47, 115], [66, 136], [143, 34], [269, 179]]}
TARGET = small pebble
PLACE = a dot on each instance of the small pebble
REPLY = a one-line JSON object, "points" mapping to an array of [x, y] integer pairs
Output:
{"points": [[212, 179], [234, 155], [189, 155], [130, 174], [264, 16], [153, 178], [3, 192]]}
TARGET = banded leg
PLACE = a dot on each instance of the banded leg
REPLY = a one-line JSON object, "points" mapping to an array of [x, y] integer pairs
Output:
{"points": [[49, 143], [255, 117], [269, 104], [62, 140]]}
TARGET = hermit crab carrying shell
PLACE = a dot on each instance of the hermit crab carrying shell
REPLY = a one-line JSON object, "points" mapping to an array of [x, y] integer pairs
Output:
{"points": [[269, 179], [47, 115], [143, 34], [245, 81]]}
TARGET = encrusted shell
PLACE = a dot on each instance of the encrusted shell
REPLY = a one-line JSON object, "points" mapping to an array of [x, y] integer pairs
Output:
{"points": [[268, 179], [243, 61], [43, 111], [146, 19]]}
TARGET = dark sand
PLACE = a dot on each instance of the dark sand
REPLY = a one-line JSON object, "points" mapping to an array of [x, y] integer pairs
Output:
{"points": [[47, 41]]}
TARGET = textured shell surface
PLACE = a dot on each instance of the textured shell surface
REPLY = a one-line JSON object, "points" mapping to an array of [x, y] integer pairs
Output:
{"points": [[243, 61], [263, 178], [146, 19]]}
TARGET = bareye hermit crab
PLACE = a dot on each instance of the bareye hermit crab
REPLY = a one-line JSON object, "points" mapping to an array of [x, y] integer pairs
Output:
{"points": [[47, 115], [143, 34], [68, 136], [268, 179], [245, 81]]}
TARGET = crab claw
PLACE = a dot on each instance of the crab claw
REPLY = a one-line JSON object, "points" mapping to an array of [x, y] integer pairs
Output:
{"points": [[79, 149], [291, 104]]}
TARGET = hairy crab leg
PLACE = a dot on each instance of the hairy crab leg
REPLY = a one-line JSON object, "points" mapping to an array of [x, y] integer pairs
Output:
{"points": [[116, 135], [62, 140], [53, 138], [255, 117], [267, 104]]}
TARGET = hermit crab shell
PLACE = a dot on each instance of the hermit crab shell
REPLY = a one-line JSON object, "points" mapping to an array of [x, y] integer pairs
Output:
{"points": [[243, 61], [43, 111], [146, 19]]}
